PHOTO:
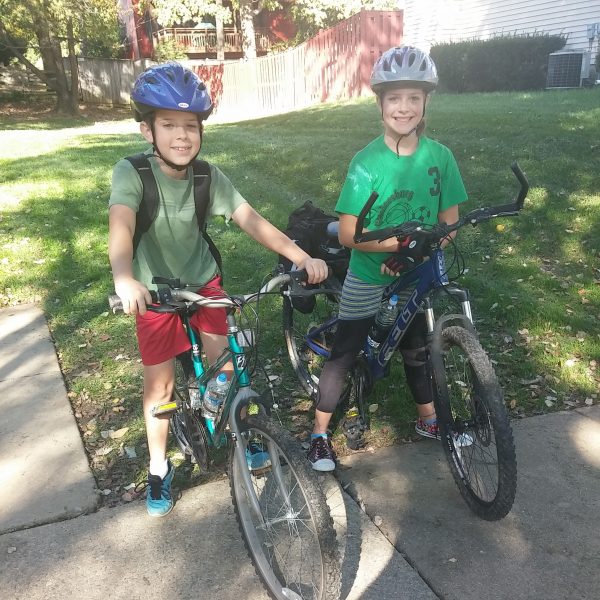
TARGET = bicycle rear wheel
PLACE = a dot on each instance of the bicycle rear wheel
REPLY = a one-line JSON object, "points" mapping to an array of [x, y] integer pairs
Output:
{"points": [[292, 542], [309, 338], [476, 432], [186, 424]]}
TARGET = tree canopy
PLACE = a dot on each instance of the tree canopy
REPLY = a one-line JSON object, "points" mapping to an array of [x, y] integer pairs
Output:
{"points": [[55, 29]]}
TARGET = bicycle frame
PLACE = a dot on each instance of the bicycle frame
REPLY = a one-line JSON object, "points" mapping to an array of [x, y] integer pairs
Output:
{"points": [[235, 354], [239, 393], [426, 277]]}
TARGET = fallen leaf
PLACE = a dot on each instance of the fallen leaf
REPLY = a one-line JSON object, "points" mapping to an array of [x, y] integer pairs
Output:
{"points": [[119, 433]]}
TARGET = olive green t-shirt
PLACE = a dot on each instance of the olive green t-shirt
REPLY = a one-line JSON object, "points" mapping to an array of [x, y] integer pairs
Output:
{"points": [[410, 188], [173, 246]]}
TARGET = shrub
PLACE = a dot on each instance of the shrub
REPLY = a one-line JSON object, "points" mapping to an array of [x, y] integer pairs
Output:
{"points": [[169, 50], [507, 63]]}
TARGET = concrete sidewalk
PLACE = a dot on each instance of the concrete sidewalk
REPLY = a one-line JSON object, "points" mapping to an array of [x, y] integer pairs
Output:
{"points": [[547, 548], [44, 472], [195, 553]]}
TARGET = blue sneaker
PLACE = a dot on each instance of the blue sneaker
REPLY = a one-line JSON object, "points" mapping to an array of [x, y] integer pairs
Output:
{"points": [[257, 457], [159, 501]]}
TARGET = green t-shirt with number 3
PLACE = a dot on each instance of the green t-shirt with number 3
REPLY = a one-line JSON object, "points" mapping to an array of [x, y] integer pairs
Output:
{"points": [[410, 188]]}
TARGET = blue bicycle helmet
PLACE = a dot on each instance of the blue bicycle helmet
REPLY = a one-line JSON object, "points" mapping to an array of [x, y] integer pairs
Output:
{"points": [[169, 86]]}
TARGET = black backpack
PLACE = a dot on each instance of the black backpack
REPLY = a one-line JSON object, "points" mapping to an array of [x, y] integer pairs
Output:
{"points": [[307, 226], [148, 209]]}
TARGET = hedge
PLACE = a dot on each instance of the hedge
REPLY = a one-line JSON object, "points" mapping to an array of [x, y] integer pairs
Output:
{"points": [[507, 63]]}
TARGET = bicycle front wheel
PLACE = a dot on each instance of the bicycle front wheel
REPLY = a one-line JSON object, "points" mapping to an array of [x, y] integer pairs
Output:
{"points": [[292, 541], [476, 432]]}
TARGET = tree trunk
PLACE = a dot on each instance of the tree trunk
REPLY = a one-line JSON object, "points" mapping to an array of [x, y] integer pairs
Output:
{"points": [[247, 26], [220, 35], [74, 69], [53, 75]]}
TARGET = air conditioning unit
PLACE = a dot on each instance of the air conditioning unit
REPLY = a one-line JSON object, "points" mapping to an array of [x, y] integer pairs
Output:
{"points": [[567, 69]]}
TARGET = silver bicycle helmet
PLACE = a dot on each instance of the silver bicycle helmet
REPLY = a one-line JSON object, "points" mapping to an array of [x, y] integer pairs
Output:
{"points": [[404, 66]]}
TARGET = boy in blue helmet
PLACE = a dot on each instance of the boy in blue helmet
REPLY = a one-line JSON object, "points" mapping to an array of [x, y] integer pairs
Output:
{"points": [[171, 103], [416, 178]]}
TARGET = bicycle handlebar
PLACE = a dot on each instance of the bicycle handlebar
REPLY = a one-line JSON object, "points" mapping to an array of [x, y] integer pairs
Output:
{"points": [[474, 217], [173, 296]]}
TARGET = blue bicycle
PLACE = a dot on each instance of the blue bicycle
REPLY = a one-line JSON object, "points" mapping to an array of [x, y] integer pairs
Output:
{"points": [[474, 424], [281, 510]]}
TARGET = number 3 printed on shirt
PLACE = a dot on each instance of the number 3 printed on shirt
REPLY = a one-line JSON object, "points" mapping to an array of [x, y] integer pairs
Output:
{"points": [[435, 173]]}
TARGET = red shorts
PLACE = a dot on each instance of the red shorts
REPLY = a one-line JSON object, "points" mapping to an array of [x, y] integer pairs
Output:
{"points": [[161, 336]]}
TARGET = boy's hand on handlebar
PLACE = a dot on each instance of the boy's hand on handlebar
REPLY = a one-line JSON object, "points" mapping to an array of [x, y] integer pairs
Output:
{"points": [[134, 296], [315, 268]]}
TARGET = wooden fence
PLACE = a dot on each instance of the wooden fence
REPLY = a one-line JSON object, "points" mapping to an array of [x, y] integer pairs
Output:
{"points": [[106, 81], [334, 65]]}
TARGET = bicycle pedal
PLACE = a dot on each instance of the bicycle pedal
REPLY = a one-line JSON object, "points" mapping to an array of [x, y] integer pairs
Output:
{"points": [[353, 428], [165, 409]]}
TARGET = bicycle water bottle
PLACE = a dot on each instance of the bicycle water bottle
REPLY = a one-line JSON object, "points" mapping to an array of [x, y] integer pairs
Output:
{"points": [[384, 319], [216, 392]]}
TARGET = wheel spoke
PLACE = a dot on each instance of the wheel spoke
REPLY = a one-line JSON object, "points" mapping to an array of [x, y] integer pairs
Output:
{"points": [[287, 543]]}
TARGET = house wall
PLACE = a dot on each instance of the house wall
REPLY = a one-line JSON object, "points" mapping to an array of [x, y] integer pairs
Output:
{"points": [[427, 22]]}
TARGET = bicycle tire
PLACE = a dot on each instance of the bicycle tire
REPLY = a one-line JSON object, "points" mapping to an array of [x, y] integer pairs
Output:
{"points": [[186, 424], [474, 424], [306, 363], [293, 548]]}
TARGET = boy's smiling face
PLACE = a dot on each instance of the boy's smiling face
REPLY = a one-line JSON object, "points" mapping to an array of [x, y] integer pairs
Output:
{"points": [[177, 135], [402, 110]]}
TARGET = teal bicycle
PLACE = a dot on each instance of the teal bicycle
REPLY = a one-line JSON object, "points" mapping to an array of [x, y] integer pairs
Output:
{"points": [[281, 510]]}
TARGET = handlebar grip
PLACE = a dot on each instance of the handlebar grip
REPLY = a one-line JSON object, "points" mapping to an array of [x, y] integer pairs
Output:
{"points": [[524, 184], [360, 222], [116, 304]]}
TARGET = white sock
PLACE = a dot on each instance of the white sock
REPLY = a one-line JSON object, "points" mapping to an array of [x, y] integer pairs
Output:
{"points": [[159, 467]]}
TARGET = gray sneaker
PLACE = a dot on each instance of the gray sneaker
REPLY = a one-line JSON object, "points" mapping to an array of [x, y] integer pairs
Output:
{"points": [[321, 455]]}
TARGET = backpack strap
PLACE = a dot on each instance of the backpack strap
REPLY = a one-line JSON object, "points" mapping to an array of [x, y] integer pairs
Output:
{"points": [[148, 209], [201, 170]]}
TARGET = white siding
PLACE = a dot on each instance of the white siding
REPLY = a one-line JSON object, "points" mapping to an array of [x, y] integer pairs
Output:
{"points": [[427, 22]]}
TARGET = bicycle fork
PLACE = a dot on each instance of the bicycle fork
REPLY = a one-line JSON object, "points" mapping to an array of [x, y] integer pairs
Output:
{"points": [[465, 304], [243, 397]]}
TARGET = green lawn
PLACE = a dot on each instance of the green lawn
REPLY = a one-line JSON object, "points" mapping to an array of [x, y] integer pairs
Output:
{"points": [[534, 285]]}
